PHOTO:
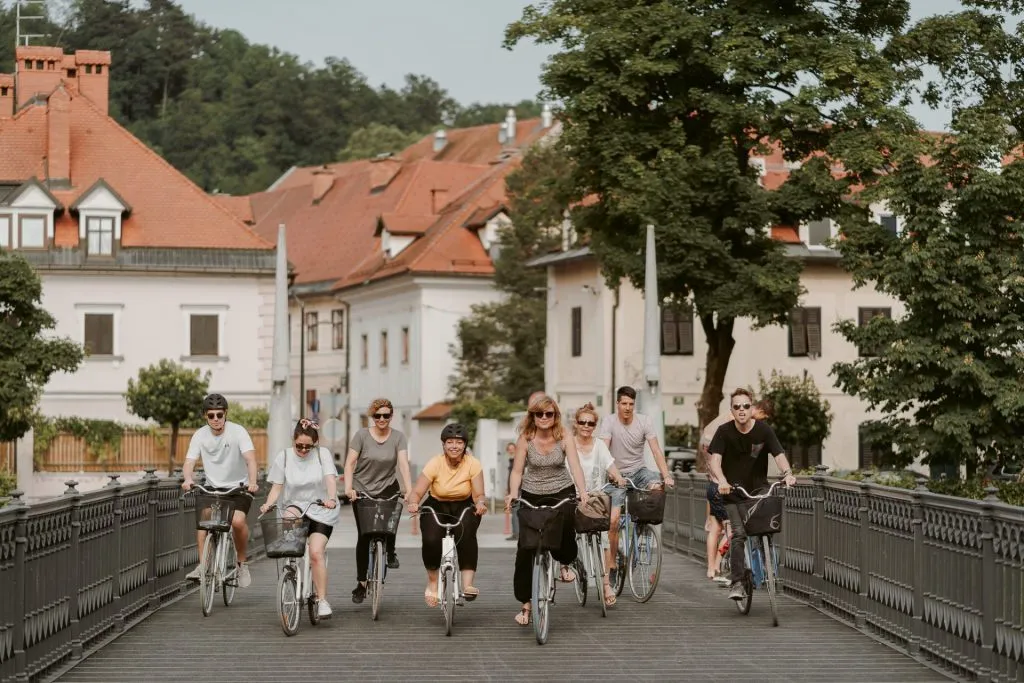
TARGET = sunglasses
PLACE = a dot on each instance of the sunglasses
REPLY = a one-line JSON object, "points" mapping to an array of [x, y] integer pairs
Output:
{"points": [[587, 423], [215, 416], [304, 447], [544, 413], [741, 406], [381, 416]]}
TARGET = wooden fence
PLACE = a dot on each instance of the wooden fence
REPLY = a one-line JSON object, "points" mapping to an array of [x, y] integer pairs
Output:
{"points": [[138, 450], [8, 456]]}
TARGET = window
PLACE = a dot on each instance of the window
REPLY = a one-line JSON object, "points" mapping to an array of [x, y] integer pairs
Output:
{"points": [[204, 334], [405, 346], [5, 232], [338, 328], [577, 332], [676, 331], [804, 457], [383, 348], [890, 223], [366, 352], [312, 327], [870, 452], [819, 232], [866, 315], [100, 236], [805, 332], [5, 91], [32, 234], [99, 334]]}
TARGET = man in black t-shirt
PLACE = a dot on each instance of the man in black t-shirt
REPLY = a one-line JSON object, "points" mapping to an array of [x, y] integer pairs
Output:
{"points": [[739, 457]]}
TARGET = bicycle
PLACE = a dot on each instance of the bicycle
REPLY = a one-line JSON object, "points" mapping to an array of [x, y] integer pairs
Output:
{"points": [[639, 553], [218, 560], [543, 595], [378, 521], [286, 537], [448, 575], [590, 561], [757, 572]]}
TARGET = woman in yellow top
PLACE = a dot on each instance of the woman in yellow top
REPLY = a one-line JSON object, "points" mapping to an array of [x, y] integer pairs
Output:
{"points": [[456, 481]]}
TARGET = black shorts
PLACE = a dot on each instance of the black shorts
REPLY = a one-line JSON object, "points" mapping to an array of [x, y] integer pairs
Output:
{"points": [[717, 504], [315, 527], [242, 501]]}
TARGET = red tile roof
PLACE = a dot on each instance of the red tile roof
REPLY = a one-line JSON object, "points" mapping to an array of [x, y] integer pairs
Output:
{"points": [[435, 411]]}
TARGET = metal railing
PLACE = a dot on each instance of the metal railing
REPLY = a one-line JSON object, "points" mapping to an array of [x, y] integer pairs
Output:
{"points": [[939, 577], [80, 569]]}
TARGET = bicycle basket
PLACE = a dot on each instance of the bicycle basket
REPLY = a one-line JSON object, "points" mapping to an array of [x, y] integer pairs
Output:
{"points": [[377, 518], [540, 529], [645, 506], [285, 537], [213, 512], [596, 515], [762, 516]]}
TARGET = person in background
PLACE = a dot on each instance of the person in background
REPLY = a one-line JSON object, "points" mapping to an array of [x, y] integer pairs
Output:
{"points": [[510, 451]]}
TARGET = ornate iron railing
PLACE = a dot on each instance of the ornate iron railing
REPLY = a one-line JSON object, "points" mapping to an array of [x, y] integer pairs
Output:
{"points": [[940, 577], [78, 570]]}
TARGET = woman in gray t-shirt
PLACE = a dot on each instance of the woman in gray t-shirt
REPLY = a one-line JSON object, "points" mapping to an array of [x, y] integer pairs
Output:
{"points": [[376, 456]]}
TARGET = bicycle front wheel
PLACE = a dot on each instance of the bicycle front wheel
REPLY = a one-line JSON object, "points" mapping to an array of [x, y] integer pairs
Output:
{"points": [[579, 567], [541, 595], [621, 559], [448, 598], [230, 570], [644, 563], [769, 576], [377, 580], [289, 602], [208, 575]]}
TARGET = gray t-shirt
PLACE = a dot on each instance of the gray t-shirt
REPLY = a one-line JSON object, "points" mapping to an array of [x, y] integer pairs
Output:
{"points": [[303, 479], [377, 464], [222, 454], [627, 441]]}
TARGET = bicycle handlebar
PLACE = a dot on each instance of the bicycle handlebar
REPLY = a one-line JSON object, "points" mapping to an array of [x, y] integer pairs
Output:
{"points": [[240, 488], [439, 522], [559, 504], [318, 501], [633, 485], [762, 495], [366, 496]]}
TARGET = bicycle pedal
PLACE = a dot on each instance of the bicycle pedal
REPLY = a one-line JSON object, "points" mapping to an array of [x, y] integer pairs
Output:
{"points": [[469, 598], [461, 602]]}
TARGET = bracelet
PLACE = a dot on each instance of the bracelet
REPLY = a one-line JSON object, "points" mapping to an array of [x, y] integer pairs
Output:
{"points": [[787, 473]]}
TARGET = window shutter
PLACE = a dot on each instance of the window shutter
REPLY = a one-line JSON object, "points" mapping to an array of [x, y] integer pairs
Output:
{"points": [[669, 332], [797, 333], [685, 326], [813, 331], [203, 335]]}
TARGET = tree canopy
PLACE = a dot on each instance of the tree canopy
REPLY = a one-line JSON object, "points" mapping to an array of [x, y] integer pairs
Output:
{"points": [[168, 394]]}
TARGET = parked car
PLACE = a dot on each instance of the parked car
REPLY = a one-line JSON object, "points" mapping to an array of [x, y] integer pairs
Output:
{"points": [[680, 459]]}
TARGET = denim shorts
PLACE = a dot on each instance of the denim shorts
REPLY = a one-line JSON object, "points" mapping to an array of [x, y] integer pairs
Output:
{"points": [[642, 478]]}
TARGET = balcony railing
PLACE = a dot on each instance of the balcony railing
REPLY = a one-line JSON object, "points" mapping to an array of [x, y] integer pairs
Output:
{"points": [[939, 577], [77, 570]]}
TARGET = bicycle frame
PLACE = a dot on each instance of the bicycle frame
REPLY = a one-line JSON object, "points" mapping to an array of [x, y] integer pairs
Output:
{"points": [[378, 556], [543, 570]]}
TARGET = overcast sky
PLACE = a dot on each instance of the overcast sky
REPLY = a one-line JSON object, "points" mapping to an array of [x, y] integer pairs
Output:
{"points": [[455, 42]]}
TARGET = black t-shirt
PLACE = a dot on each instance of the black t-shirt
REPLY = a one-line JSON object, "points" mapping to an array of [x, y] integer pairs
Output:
{"points": [[745, 456]]}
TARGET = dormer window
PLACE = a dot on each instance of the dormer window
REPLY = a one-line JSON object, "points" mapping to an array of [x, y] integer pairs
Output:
{"points": [[100, 212], [32, 232], [99, 232]]}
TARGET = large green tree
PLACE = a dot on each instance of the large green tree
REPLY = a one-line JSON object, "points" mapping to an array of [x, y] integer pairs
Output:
{"points": [[664, 104], [945, 372], [29, 354]]}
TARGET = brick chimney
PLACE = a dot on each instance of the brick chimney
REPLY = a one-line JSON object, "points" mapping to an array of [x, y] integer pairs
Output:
{"points": [[58, 138], [323, 181], [93, 72], [6, 95], [39, 71]]}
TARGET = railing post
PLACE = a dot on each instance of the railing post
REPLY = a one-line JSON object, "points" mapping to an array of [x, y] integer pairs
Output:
{"points": [[865, 556], [988, 587], [18, 597], [115, 562], [153, 481], [179, 524], [690, 506], [917, 522], [819, 532], [75, 566]]}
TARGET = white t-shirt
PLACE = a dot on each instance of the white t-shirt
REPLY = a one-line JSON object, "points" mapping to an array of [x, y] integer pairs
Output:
{"points": [[595, 464], [303, 479], [627, 441], [222, 455]]}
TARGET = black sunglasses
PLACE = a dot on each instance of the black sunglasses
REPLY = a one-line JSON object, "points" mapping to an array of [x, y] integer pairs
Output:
{"points": [[382, 416], [215, 416], [586, 423], [544, 413], [305, 447], [741, 406]]}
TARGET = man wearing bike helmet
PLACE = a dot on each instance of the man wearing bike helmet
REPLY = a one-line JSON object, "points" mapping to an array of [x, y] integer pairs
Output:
{"points": [[229, 459]]}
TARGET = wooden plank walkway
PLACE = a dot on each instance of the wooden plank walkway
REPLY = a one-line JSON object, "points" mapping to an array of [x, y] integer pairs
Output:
{"points": [[688, 631]]}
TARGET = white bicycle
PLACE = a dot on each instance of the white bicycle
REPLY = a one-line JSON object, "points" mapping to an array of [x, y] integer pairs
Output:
{"points": [[589, 562], [287, 538], [449, 578], [218, 561]]}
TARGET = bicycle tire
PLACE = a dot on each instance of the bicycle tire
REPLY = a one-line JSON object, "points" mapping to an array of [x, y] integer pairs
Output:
{"points": [[580, 584], [377, 581], [743, 606], [644, 576], [597, 560], [289, 603], [312, 602], [208, 574], [230, 582], [769, 576], [448, 599], [622, 558], [541, 593]]}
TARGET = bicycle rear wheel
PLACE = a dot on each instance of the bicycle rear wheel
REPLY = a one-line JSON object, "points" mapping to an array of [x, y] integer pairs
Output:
{"points": [[289, 603], [621, 558], [208, 575], [541, 594], [645, 563], [230, 571], [448, 598], [379, 562], [769, 576], [579, 567], [743, 606], [597, 562]]}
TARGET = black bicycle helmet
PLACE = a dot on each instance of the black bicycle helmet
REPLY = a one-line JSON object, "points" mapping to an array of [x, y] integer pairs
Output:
{"points": [[454, 431], [215, 402]]}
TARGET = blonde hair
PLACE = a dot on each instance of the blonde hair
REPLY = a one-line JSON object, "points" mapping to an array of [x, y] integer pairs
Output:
{"points": [[378, 403], [528, 427], [586, 409]]}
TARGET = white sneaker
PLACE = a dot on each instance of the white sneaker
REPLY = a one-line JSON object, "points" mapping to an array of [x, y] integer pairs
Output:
{"points": [[244, 577], [324, 610], [195, 574]]}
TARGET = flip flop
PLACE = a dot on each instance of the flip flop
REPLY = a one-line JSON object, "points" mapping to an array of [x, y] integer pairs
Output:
{"points": [[430, 598], [567, 571], [609, 596], [471, 593], [523, 618]]}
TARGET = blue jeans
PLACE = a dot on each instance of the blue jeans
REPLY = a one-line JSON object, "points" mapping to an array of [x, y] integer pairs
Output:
{"points": [[642, 478]]}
